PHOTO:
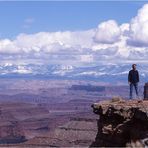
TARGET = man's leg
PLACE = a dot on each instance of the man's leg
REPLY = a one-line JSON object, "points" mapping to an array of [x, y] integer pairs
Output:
{"points": [[136, 89], [131, 90]]}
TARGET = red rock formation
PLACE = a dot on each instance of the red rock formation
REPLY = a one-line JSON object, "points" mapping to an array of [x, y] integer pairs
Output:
{"points": [[121, 123], [10, 129]]}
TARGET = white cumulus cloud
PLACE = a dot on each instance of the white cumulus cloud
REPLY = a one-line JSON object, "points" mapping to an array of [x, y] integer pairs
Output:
{"points": [[107, 32], [139, 28]]}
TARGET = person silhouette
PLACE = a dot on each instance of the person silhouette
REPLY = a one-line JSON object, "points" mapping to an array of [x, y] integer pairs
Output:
{"points": [[133, 80]]}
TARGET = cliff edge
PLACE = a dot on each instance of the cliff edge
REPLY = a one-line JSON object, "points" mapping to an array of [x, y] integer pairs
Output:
{"points": [[121, 123]]}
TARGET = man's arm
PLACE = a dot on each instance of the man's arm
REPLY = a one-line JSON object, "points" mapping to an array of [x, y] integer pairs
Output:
{"points": [[129, 77], [138, 76]]}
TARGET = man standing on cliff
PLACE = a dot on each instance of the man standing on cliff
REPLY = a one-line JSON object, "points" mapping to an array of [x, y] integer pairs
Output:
{"points": [[133, 79]]}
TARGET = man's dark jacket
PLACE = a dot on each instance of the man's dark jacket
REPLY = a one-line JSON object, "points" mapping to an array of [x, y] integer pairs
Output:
{"points": [[133, 76]]}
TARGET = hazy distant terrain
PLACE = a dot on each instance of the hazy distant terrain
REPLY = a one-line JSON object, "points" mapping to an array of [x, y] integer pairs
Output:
{"points": [[42, 108], [59, 91]]}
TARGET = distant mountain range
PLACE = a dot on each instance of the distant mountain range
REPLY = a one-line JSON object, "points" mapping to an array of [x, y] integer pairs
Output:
{"points": [[104, 72]]}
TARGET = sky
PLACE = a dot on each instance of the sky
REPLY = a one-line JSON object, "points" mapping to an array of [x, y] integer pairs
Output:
{"points": [[75, 33], [32, 17]]}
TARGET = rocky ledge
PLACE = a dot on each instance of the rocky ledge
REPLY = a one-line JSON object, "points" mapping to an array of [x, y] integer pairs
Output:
{"points": [[121, 123]]}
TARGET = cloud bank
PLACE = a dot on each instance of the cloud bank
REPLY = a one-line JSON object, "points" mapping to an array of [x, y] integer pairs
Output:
{"points": [[109, 42]]}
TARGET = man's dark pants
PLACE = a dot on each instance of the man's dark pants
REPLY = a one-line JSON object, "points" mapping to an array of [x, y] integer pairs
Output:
{"points": [[135, 85]]}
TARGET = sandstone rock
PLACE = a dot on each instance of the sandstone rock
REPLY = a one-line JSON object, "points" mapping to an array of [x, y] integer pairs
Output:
{"points": [[11, 132], [121, 123], [77, 132]]}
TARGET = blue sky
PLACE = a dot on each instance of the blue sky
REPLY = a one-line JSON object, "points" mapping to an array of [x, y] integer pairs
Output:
{"points": [[32, 17]]}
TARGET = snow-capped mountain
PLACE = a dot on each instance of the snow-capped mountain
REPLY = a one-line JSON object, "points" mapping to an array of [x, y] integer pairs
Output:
{"points": [[102, 72]]}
